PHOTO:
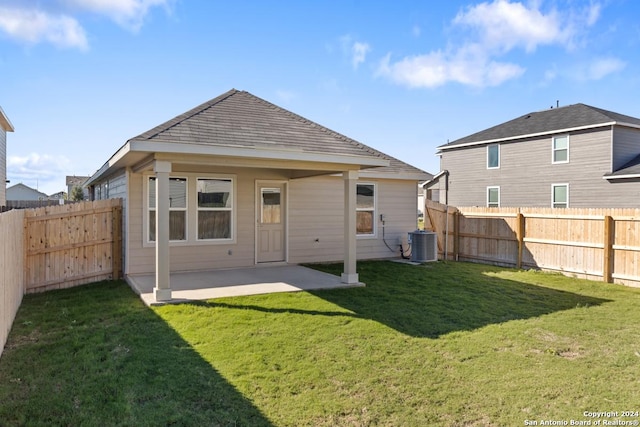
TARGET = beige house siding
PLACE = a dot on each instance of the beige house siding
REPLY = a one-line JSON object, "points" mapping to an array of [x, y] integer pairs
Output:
{"points": [[315, 211], [526, 173], [316, 219], [3, 166]]}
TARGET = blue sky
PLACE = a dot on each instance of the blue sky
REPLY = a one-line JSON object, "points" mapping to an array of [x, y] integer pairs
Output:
{"points": [[80, 77]]}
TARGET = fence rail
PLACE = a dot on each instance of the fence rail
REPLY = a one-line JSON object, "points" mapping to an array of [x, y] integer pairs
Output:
{"points": [[600, 244]]}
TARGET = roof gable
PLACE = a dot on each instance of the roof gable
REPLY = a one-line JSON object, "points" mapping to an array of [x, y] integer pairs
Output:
{"points": [[240, 119], [544, 122]]}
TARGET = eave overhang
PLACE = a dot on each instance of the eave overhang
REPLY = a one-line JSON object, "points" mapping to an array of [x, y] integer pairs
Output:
{"points": [[305, 163], [533, 135]]}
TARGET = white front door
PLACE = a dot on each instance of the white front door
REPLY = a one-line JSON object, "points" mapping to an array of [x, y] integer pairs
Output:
{"points": [[271, 215]]}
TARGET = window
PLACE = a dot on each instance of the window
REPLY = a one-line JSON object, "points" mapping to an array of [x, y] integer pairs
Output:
{"points": [[493, 156], [177, 209], [560, 195], [365, 209], [560, 149], [493, 197], [215, 205]]}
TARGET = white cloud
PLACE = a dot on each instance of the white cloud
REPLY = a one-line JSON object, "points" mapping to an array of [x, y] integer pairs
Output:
{"points": [[492, 30], [127, 13], [602, 67], [43, 167], [35, 26], [56, 22], [503, 25], [42, 170], [359, 51], [438, 68], [355, 50]]}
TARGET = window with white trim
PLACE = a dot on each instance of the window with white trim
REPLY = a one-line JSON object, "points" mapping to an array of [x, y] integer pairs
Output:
{"points": [[560, 149], [177, 208], [493, 197], [215, 206], [365, 209], [493, 156], [560, 195]]}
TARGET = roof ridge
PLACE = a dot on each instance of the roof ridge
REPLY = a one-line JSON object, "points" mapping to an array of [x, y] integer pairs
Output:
{"points": [[320, 127], [165, 126]]}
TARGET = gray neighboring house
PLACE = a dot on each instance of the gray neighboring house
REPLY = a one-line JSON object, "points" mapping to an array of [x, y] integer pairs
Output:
{"points": [[5, 126], [25, 193], [238, 181], [572, 156]]}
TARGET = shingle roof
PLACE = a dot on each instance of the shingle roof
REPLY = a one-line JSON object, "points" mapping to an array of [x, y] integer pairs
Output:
{"points": [[632, 167], [240, 119], [546, 121]]}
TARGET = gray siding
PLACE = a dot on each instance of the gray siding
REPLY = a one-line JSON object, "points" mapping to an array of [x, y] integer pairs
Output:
{"points": [[526, 174], [626, 146], [3, 166]]}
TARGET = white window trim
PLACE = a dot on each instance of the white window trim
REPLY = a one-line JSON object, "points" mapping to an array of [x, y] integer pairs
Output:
{"points": [[233, 209], [553, 149], [145, 223], [553, 186], [375, 212], [487, 195], [493, 167], [192, 214]]}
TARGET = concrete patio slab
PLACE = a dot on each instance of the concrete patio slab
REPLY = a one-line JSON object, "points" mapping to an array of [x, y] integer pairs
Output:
{"points": [[203, 285]]}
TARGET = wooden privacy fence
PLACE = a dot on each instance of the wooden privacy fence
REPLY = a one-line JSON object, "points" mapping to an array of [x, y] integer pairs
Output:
{"points": [[72, 244], [11, 270], [601, 244]]}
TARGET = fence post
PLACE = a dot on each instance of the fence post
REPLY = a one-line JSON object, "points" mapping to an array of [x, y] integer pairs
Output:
{"points": [[456, 235], [609, 237], [520, 236], [116, 229]]}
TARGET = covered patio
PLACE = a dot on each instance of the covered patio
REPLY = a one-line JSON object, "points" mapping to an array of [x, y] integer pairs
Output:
{"points": [[203, 285]]}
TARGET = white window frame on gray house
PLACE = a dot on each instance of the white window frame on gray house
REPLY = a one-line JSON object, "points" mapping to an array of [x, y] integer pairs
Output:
{"points": [[554, 203], [494, 204], [363, 209], [172, 207], [555, 149], [496, 157]]}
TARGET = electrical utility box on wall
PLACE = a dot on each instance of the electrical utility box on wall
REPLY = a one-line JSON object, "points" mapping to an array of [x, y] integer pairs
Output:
{"points": [[424, 246]]}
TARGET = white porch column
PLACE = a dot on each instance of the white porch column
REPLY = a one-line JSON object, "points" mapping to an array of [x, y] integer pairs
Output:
{"points": [[350, 184], [162, 290]]}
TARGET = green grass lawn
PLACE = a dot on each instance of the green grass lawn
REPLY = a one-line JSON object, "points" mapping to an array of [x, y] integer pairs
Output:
{"points": [[438, 344]]}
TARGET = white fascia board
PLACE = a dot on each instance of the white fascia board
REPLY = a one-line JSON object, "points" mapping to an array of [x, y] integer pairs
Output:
{"points": [[531, 135], [111, 162], [259, 153], [631, 175], [406, 176], [5, 122]]}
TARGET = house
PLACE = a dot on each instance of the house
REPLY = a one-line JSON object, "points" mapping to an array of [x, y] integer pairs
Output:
{"points": [[77, 181], [23, 192], [572, 156], [238, 181], [5, 126]]}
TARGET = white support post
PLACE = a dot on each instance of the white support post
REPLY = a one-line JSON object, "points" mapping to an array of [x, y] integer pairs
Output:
{"points": [[162, 290], [350, 274]]}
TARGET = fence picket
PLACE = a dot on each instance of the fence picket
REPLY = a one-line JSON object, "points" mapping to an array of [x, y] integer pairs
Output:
{"points": [[598, 243]]}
